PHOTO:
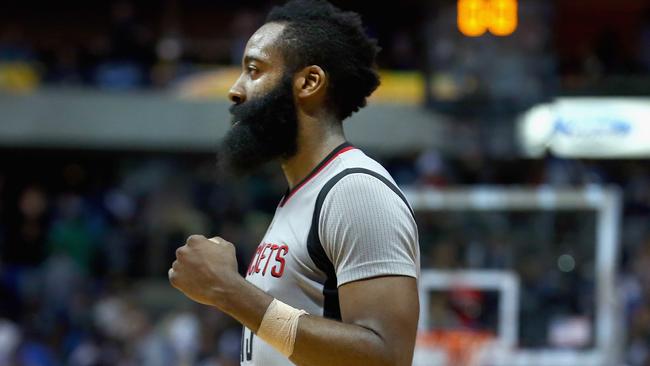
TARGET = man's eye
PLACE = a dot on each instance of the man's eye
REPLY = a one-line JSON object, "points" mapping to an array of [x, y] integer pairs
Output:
{"points": [[251, 69]]}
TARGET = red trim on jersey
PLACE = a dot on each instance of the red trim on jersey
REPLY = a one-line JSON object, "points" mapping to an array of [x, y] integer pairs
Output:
{"points": [[328, 159]]}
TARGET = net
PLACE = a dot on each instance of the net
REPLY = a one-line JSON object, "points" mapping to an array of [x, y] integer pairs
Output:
{"points": [[453, 348]]}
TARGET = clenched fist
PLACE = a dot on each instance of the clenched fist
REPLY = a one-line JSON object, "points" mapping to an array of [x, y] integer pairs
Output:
{"points": [[205, 270]]}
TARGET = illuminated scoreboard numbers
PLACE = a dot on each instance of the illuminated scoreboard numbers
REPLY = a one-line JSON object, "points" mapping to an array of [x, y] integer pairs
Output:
{"points": [[475, 17], [503, 19], [471, 14]]}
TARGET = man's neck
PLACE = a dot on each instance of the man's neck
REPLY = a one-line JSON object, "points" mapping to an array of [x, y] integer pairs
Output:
{"points": [[311, 151]]}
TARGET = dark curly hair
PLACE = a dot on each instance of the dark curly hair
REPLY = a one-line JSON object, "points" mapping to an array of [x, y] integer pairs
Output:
{"points": [[317, 33]]}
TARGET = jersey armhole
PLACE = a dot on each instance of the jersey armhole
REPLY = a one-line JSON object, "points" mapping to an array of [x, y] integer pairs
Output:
{"points": [[331, 305]]}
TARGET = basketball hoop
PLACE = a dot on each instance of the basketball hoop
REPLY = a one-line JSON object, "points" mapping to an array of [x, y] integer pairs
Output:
{"points": [[453, 347]]}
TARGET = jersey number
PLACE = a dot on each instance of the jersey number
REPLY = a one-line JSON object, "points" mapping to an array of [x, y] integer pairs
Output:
{"points": [[246, 353]]}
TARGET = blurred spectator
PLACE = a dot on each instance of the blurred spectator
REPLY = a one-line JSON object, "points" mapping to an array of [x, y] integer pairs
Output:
{"points": [[73, 235], [65, 68], [243, 25], [644, 42], [14, 46], [10, 338], [131, 51], [430, 169], [29, 228], [17, 61]]}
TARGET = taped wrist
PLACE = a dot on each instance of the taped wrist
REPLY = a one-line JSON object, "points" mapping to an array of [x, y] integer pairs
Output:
{"points": [[279, 326]]}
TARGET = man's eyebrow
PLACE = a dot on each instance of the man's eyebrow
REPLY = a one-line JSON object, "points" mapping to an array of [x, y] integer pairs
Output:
{"points": [[249, 58]]}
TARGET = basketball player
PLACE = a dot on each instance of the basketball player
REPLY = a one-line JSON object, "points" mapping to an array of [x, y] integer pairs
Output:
{"points": [[333, 282]]}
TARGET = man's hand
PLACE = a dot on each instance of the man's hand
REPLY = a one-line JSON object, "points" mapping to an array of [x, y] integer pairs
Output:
{"points": [[205, 270]]}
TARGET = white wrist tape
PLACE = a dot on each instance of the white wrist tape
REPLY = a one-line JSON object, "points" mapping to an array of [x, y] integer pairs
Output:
{"points": [[279, 326]]}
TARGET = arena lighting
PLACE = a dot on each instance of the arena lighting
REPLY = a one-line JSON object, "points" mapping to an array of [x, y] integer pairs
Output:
{"points": [[475, 17]]}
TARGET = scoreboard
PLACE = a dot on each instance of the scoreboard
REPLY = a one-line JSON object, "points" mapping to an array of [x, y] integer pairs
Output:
{"points": [[476, 17]]}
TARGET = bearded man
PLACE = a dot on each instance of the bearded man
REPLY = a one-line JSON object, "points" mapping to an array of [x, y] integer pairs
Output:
{"points": [[334, 280]]}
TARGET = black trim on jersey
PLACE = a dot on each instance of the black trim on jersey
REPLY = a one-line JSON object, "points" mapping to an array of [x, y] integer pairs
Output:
{"points": [[331, 305], [318, 167]]}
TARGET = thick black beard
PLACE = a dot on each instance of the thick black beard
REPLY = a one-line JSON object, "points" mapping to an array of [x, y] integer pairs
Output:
{"points": [[263, 130]]}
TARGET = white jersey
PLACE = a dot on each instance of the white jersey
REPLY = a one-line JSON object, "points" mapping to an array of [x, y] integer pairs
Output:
{"points": [[346, 221]]}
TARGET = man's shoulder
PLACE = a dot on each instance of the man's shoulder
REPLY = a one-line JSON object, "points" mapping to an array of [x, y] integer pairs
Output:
{"points": [[360, 178], [357, 162]]}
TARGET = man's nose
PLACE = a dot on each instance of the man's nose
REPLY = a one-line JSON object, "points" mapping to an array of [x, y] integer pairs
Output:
{"points": [[236, 95]]}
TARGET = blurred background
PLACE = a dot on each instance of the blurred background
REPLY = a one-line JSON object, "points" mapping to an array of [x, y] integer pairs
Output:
{"points": [[111, 112]]}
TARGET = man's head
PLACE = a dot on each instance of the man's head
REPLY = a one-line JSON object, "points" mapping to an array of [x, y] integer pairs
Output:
{"points": [[309, 59]]}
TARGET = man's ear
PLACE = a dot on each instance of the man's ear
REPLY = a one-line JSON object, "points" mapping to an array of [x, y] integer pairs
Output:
{"points": [[310, 81]]}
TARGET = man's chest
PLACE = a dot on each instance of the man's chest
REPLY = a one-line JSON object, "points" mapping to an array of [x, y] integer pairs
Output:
{"points": [[282, 257]]}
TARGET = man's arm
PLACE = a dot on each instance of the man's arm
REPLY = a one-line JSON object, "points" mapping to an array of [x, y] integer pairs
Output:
{"points": [[379, 315]]}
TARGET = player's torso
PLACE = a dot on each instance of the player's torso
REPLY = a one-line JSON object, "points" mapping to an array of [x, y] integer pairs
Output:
{"points": [[282, 265]]}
